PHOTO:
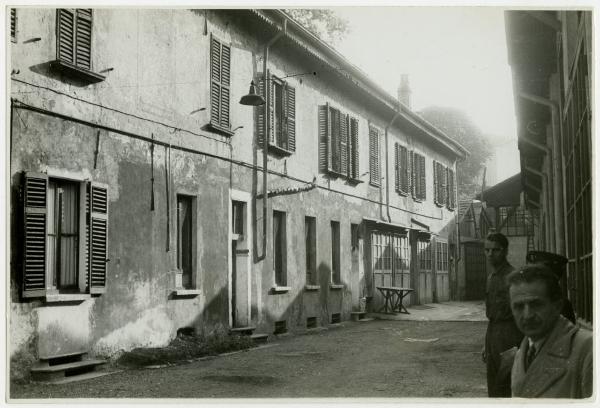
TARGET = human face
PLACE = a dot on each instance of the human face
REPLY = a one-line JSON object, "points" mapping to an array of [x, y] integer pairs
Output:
{"points": [[535, 314], [495, 253]]}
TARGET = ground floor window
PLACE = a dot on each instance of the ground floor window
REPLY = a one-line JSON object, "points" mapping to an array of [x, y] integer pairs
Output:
{"points": [[279, 248], [310, 238], [335, 252]]}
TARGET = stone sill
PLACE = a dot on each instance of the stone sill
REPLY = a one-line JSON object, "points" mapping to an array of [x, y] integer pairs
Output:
{"points": [[312, 287], [67, 297], [186, 292], [334, 286], [281, 289]]}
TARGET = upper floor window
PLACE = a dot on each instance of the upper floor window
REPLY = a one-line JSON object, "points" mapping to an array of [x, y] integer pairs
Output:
{"points": [[451, 190], [374, 167], [13, 24], [402, 169], [439, 184], [220, 77], [282, 112], [418, 176], [338, 142]]}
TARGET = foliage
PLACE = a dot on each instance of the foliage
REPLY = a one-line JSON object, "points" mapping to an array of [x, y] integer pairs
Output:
{"points": [[324, 23], [457, 125]]}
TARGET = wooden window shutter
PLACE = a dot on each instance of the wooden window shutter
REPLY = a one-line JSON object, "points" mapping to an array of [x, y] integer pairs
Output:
{"points": [[324, 152], [354, 173], [65, 35], [98, 238], [220, 78], [290, 102], [436, 189], [422, 178], [451, 202], [397, 166], [271, 107], [334, 139], [260, 112], [344, 144], [404, 170], [83, 38], [444, 186], [374, 155], [13, 24], [413, 173], [35, 218]]}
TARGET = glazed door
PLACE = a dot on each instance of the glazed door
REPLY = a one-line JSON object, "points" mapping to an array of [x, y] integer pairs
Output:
{"points": [[425, 271], [390, 263]]}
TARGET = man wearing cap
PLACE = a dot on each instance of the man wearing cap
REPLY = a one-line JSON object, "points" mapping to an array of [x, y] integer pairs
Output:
{"points": [[502, 333], [555, 358]]}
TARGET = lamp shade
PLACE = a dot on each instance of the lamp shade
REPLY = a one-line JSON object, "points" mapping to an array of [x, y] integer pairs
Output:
{"points": [[252, 99]]}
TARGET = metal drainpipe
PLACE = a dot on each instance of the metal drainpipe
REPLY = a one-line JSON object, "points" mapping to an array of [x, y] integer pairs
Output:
{"points": [[387, 170], [556, 163], [546, 201], [267, 87]]}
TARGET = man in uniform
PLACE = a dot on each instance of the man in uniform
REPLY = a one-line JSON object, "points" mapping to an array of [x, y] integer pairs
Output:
{"points": [[502, 332]]}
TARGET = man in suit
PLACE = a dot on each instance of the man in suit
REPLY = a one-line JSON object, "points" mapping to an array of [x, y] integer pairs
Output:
{"points": [[554, 359], [502, 332]]}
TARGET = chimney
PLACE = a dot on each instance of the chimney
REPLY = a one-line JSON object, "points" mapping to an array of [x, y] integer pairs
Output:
{"points": [[404, 91]]}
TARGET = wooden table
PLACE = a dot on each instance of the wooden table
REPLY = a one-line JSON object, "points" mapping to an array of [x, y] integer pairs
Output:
{"points": [[393, 299]]}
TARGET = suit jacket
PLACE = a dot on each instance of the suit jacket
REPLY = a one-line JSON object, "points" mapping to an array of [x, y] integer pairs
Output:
{"points": [[561, 369]]}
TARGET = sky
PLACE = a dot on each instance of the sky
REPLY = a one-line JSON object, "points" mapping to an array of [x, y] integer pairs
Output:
{"points": [[454, 57]]}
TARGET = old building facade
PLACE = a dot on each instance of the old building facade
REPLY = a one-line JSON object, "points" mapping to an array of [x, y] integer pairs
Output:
{"points": [[138, 198]]}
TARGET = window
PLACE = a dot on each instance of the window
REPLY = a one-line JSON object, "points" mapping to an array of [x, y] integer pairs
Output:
{"points": [[418, 176], [451, 190], [279, 248], [442, 256], [354, 237], [282, 106], [237, 217], [439, 184], [65, 236], [185, 239], [310, 239], [335, 253], [374, 156], [338, 143], [220, 60], [402, 169], [424, 252], [13, 24]]}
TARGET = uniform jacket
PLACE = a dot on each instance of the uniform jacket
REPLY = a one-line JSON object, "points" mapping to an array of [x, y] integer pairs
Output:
{"points": [[561, 369], [497, 303]]}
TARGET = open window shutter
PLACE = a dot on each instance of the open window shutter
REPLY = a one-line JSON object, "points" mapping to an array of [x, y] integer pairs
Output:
{"points": [[35, 231], [225, 86], [397, 165], [354, 141], [83, 38], [413, 172], [344, 144], [215, 81], [260, 112], [324, 154], [98, 237], [422, 178], [404, 170], [334, 140], [271, 90], [443, 177], [435, 183], [291, 118], [65, 30]]}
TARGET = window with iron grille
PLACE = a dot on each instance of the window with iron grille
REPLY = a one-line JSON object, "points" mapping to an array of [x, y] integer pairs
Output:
{"points": [[220, 87], [442, 256], [238, 209], [402, 169], [418, 178], [282, 111], [424, 254], [310, 239], [338, 143], [65, 236]]}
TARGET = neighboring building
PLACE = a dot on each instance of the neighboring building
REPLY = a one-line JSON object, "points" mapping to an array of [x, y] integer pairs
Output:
{"points": [[550, 52], [137, 200], [503, 161]]}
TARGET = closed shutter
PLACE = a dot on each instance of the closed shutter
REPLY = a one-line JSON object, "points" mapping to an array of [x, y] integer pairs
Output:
{"points": [[98, 237], [324, 152], [397, 165], [260, 112], [343, 144], [35, 231], [271, 107], [443, 184], [13, 24], [374, 155], [451, 202], [354, 173], [334, 139], [435, 183], [220, 77], [422, 178], [65, 36], [404, 171], [83, 38], [413, 175], [291, 118]]}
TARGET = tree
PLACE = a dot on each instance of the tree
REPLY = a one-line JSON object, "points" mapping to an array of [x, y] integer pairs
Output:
{"points": [[324, 23], [457, 125]]}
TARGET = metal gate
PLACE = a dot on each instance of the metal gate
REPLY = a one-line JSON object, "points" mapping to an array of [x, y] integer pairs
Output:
{"points": [[441, 272], [475, 271], [390, 263], [425, 272]]}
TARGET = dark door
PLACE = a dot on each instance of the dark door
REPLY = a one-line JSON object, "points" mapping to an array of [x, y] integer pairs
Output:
{"points": [[475, 271]]}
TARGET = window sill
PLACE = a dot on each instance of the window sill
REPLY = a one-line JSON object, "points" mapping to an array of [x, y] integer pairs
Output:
{"points": [[354, 182], [374, 184], [80, 73], [67, 298], [280, 289], [402, 193], [220, 129], [336, 286], [279, 150], [186, 292], [312, 288]]}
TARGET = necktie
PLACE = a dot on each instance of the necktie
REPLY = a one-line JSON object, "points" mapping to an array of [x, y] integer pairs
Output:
{"points": [[531, 352]]}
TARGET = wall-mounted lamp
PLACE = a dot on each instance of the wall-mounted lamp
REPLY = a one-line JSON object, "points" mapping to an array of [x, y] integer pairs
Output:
{"points": [[252, 99]]}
